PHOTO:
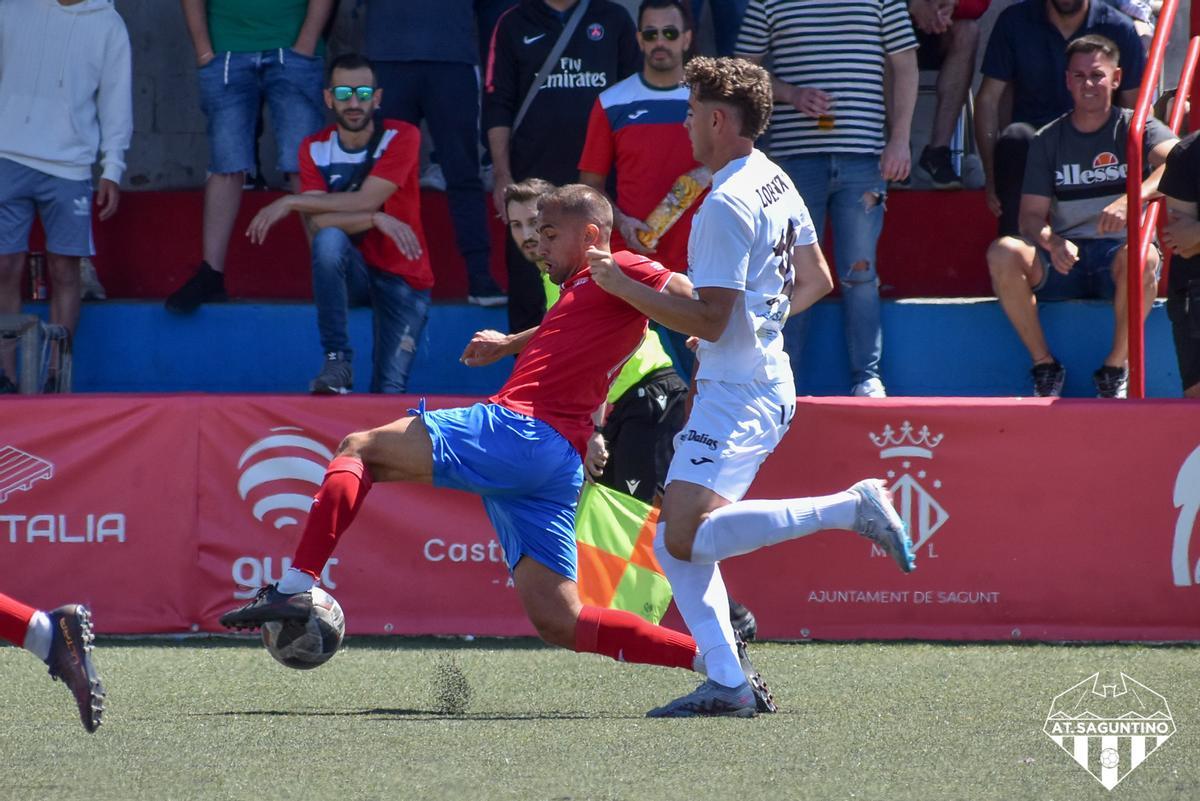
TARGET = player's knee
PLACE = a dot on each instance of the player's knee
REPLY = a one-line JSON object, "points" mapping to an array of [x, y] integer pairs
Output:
{"points": [[355, 444], [671, 541], [1004, 258]]}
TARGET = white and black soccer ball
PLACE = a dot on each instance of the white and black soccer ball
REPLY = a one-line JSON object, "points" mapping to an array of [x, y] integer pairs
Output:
{"points": [[310, 643]]}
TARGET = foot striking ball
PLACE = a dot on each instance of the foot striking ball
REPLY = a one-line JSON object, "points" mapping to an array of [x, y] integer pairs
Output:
{"points": [[309, 643]]}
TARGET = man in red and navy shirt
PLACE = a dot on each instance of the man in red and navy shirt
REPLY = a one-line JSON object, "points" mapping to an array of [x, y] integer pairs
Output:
{"points": [[636, 128], [521, 451], [360, 199]]}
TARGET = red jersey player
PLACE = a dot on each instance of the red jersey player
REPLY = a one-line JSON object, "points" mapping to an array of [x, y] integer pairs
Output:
{"points": [[521, 451]]}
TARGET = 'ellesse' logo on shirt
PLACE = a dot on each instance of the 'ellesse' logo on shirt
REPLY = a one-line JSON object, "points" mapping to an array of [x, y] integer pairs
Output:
{"points": [[1105, 167]]}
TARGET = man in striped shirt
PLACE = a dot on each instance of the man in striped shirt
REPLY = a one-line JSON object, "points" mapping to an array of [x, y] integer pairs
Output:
{"points": [[840, 138]]}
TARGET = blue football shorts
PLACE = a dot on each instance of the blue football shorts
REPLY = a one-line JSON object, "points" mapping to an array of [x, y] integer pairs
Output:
{"points": [[527, 473]]}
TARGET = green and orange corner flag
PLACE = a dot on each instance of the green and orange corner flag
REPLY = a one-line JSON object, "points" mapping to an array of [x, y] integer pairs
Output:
{"points": [[617, 568]]}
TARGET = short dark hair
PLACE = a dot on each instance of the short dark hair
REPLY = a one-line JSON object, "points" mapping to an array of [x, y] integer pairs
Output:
{"points": [[581, 202], [350, 61], [735, 82], [683, 8], [1095, 43], [527, 190]]}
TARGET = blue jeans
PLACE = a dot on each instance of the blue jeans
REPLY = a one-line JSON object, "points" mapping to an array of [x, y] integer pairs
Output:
{"points": [[852, 191], [341, 279], [232, 87]]}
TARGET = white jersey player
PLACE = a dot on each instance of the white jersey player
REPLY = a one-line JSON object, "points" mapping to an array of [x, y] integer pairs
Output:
{"points": [[753, 260]]}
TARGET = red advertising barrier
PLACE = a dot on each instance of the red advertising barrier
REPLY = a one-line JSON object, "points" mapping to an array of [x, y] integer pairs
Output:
{"points": [[1036, 520]]}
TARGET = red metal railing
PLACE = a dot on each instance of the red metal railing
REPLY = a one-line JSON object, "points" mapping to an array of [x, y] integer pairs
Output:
{"points": [[1142, 223]]}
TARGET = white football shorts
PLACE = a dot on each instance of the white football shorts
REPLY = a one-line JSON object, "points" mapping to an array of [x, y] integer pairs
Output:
{"points": [[733, 428]]}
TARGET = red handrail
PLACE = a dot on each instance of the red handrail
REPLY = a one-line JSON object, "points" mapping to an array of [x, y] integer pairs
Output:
{"points": [[1141, 224]]}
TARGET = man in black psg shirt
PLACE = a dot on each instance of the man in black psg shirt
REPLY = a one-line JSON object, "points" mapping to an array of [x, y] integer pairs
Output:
{"points": [[547, 141]]}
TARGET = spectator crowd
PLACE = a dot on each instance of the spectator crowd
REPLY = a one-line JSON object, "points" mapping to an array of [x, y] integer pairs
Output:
{"points": [[584, 91]]}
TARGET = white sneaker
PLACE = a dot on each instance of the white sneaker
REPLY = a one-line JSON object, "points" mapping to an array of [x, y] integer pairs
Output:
{"points": [[871, 388], [877, 520], [90, 287]]}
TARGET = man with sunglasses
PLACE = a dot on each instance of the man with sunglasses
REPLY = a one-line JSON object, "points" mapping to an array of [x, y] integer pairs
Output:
{"points": [[360, 197], [636, 128]]}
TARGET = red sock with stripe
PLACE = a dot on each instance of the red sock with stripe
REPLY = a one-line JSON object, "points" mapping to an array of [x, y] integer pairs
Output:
{"points": [[628, 638], [337, 502], [14, 620]]}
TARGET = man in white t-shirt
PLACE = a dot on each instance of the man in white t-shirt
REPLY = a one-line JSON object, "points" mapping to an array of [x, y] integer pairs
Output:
{"points": [[753, 260]]}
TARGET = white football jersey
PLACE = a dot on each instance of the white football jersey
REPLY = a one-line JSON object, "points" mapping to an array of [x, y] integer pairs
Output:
{"points": [[742, 238]]}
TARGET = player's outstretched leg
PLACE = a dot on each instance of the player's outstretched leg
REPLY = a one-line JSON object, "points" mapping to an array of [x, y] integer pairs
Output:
{"points": [[335, 506], [877, 520], [70, 661], [269, 604]]}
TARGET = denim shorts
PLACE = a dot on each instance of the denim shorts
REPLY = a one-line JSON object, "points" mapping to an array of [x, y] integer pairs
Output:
{"points": [[527, 473], [1091, 277], [64, 205], [232, 89]]}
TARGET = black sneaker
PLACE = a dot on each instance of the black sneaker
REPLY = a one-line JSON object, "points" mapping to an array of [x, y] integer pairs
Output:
{"points": [[1111, 382], [936, 162], [336, 376], [7, 387], [764, 701], [270, 604], [70, 661], [206, 286], [743, 621], [486, 292], [1048, 379]]}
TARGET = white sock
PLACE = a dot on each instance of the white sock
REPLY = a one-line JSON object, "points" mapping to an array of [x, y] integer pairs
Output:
{"points": [[746, 526], [295, 581], [704, 603], [38, 635]]}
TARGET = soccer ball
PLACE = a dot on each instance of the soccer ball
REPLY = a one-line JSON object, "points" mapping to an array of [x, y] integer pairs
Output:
{"points": [[306, 644]]}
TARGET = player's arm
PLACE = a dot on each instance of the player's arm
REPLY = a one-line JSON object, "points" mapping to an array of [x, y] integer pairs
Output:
{"points": [[704, 313], [812, 279], [489, 346]]}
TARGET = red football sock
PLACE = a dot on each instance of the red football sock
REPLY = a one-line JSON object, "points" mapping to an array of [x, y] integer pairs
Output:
{"points": [[334, 508], [14, 620], [628, 638]]}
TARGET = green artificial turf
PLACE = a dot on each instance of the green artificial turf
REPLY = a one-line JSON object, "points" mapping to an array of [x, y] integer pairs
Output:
{"points": [[218, 719]]}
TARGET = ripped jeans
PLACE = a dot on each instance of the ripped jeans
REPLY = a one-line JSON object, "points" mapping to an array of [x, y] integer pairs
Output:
{"points": [[341, 279], [850, 188]]}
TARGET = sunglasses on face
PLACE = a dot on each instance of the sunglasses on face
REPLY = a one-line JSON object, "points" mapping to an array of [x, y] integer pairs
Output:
{"points": [[669, 33], [344, 93]]}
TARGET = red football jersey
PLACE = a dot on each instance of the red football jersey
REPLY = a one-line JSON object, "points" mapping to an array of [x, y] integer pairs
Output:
{"points": [[563, 374]]}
